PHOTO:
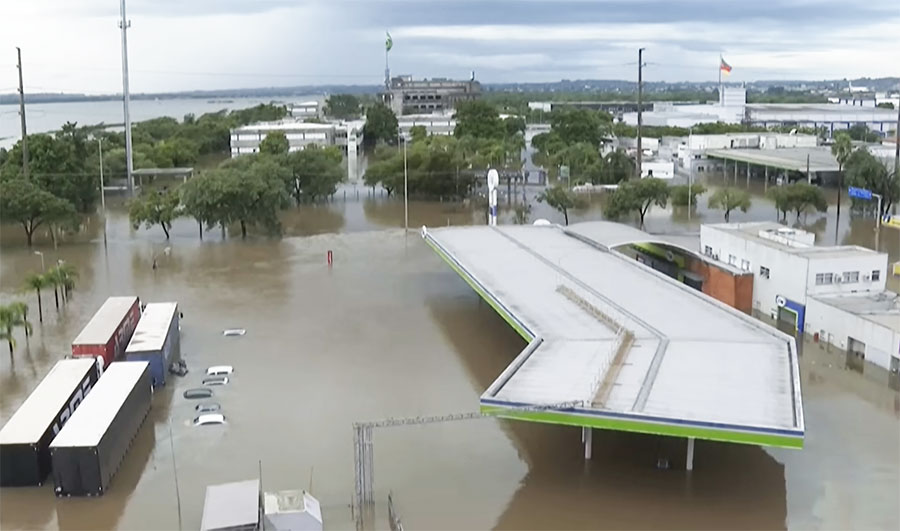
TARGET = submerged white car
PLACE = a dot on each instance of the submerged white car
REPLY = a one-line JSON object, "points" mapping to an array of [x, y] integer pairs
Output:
{"points": [[219, 370], [208, 419], [216, 380]]}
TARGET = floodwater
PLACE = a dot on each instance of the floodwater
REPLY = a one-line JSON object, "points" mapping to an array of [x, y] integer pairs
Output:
{"points": [[390, 331]]}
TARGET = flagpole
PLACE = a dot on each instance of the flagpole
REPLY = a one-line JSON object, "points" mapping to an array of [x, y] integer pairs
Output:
{"points": [[721, 97]]}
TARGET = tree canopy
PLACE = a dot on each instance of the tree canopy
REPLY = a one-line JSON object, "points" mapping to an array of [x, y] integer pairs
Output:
{"points": [[275, 143], [155, 207], [729, 199], [478, 119], [637, 196], [26, 203], [684, 195], [381, 125], [342, 106], [560, 198], [865, 171]]}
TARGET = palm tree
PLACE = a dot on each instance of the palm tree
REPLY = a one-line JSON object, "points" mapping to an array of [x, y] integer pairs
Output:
{"points": [[37, 281], [12, 316], [69, 274], [841, 149]]}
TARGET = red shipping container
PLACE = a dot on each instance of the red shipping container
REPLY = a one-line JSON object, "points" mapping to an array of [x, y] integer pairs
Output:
{"points": [[108, 332]]}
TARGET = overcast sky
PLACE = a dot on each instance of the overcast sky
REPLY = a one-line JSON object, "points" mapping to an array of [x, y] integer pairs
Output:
{"points": [[74, 45]]}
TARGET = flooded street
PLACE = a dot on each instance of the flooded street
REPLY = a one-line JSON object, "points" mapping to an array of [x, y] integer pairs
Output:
{"points": [[391, 331]]}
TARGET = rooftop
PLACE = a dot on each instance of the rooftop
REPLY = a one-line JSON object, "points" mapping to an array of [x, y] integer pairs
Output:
{"points": [[828, 108], [42, 406], [91, 420], [882, 307], [231, 506], [104, 323], [153, 328], [820, 159], [614, 344], [794, 241]]}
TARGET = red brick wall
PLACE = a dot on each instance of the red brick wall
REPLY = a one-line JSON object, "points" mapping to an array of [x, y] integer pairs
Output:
{"points": [[720, 284]]}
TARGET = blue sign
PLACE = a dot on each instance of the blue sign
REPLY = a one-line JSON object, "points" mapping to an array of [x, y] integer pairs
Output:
{"points": [[859, 193]]}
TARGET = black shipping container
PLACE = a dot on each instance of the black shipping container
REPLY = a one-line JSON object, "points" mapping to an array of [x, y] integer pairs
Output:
{"points": [[88, 451], [25, 439]]}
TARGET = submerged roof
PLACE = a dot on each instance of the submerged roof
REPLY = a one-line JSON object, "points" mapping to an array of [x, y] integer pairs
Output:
{"points": [[43, 405], [104, 323], [231, 506], [615, 344], [153, 328]]}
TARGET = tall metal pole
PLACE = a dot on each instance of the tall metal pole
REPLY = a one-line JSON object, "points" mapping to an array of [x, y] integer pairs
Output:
{"points": [[691, 170], [897, 141], [129, 165], [102, 189], [22, 115], [405, 189], [640, 151]]}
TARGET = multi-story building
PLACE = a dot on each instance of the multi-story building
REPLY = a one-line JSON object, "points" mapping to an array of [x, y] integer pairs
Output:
{"points": [[837, 294], [436, 95]]}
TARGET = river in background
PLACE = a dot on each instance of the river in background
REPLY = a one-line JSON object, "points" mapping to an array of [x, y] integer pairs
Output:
{"points": [[390, 331], [46, 117]]}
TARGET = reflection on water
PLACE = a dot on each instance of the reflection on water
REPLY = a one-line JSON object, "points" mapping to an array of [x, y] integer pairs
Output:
{"points": [[389, 330]]}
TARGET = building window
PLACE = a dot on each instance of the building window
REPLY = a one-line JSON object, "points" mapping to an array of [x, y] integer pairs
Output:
{"points": [[876, 275], [851, 277], [707, 250], [764, 272], [824, 279], [745, 265], [732, 260]]}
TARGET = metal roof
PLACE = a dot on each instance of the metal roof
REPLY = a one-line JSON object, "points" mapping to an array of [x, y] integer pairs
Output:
{"points": [[96, 413], [154, 172], [104, 323], [39, 410], [615, 344], [751, 231], [151, 331], [231, 506], [881, 307], [820, 159]]}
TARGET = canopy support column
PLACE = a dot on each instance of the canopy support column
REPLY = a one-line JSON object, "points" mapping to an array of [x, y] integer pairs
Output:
{"points": [[690, 454], [587, 435]]}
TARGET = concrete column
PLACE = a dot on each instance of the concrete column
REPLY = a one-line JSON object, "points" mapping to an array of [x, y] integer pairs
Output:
{"points": [[690, 454], [748, 175], [735, 172], [766, 181], [587, 435]]}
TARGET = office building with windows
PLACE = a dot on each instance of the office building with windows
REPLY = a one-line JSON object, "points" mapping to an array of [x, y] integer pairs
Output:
{"points": [[836, 294], [427, 96]]}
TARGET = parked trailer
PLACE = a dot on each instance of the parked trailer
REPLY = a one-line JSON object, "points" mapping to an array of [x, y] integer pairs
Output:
{"points": [[89, 449], [156, 339], [107, 333], [25, 439]]}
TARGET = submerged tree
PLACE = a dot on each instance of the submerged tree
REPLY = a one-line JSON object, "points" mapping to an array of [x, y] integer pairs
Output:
{"points": [[729, 199]]}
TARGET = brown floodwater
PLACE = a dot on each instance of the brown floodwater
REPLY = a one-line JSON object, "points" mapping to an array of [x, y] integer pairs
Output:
{"points": [[390, 331]]}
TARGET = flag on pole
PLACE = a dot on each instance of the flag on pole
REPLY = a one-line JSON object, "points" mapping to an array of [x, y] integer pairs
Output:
{"points": [[389, 42], [723, 66]]}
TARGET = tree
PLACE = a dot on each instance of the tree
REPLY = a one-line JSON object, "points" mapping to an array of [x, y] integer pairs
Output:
{"points": [[313, 172], [37, 282], [580, 125], [781, 198], [841, 149], [13, 316], [637, 196], [155, 208], [560, 198], [684, 195], [64, 275], [802, 196], [342, 106], [247, 197], [862, 133], [381, 125], [175, 152], [417, 133], [866, 171], [728, 199], [25, 203], [478, 119], [514, 125], [275, 143], [618, 167], [198, 196]]}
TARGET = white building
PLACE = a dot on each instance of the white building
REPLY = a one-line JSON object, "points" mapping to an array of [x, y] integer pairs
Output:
{"points": [[306, 110], [441, 124], [294, 510], [660, 169], [796, 282]]}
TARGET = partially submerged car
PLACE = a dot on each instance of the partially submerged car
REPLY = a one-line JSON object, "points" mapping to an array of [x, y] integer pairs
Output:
{"points": [[198, 392], [219, 370], [208, 407], [209, 419], [216, 380]]}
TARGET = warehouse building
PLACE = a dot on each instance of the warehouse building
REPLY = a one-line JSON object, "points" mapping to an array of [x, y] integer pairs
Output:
{"points": [[836, 294]]}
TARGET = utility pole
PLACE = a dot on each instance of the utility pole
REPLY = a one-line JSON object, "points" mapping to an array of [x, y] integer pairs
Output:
{"points": [[129, 165], [640, 150], [896, 140], [22, 115], [405, 192]]}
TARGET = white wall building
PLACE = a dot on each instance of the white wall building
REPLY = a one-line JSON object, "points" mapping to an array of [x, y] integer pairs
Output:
{"points": [[434, 124], [796, 282], [660, 169], [306, 110]]}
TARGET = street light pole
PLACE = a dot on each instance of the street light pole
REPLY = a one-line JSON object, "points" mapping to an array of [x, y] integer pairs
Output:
{"points": [[640, 114], [102, 189], [691, 169], [42, 260], [405, 190]]}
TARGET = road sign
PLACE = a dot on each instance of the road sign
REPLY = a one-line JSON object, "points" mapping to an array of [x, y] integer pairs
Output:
{"points": [[859, 193], [493, 179]]}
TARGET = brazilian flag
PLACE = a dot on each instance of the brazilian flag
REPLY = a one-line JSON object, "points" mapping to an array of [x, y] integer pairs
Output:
{"points": [[389, 42]]}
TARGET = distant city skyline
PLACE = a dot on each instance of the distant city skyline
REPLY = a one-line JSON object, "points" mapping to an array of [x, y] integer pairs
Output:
{"points": [[73, 47]]}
